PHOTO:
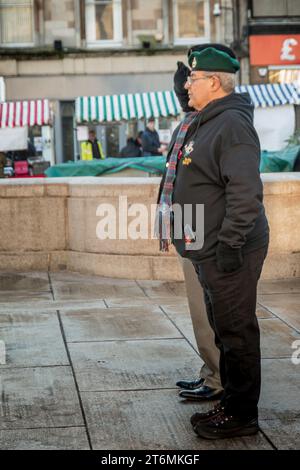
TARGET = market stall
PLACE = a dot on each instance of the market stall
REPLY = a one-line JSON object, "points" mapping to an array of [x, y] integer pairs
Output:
{"points": [[274, 120], [274, 113], [114, 117], [26, 132]]}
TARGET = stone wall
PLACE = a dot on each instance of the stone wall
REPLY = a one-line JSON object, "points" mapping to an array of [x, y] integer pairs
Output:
{"points": [[59, 22], [70, 77], [51, 225]]}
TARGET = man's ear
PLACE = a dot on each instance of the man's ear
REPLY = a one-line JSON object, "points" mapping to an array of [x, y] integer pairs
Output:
{"points": [[216, 84]]}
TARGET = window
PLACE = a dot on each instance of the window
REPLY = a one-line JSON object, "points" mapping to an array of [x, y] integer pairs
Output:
{"points": [[103, 22], [16, 22], [191, 21], [284, 75], [273, 8]]}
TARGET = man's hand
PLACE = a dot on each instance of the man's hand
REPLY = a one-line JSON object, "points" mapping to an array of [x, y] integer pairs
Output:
{"points": [[228, 259], [180, 78]]}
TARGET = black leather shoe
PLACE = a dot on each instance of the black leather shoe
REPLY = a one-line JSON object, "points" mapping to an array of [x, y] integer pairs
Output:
{"points": [[202, 393], [190, 384], [196, 417], [223, 426]]}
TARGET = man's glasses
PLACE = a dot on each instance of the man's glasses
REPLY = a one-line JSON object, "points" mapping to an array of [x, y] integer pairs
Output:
{"points": [[191, 80]]}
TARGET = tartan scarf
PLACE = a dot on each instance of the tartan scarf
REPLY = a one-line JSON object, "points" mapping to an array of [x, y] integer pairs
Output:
{"points": [[164, 211]]}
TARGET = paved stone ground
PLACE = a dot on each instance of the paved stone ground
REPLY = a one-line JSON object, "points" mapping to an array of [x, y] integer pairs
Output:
{"points": [[92, 363]]}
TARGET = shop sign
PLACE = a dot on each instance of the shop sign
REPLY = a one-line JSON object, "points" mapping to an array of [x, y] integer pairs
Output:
{"points": [[281, 49]]}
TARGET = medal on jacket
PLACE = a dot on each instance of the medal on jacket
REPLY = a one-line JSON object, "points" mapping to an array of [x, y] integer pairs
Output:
{"points": [[187, 150], [189, 236]]}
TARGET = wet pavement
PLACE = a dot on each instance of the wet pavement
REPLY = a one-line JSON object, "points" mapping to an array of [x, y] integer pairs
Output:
{"points": [[92, 362]]}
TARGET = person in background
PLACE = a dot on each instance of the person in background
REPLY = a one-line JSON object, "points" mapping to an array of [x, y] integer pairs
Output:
{"points": [[139, 140], [91, 148], [150, 140], [132, 149]]}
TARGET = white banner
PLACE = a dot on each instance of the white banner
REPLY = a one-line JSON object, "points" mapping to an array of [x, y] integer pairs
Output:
{"points": [[274, 125], [13, 138]]}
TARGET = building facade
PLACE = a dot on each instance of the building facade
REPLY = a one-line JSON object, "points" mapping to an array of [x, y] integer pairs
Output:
{"points": [[64, 49]]}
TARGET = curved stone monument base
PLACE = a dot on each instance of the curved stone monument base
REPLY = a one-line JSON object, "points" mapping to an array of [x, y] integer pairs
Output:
{"points": [[51, 224]]}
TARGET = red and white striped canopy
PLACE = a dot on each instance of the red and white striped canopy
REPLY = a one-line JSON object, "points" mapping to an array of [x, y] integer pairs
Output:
{"points": [[24, 113]]}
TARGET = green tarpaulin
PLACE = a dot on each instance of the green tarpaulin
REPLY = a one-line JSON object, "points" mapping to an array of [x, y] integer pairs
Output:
{"points": [[270, 162], [274, 162], [154, 165]]}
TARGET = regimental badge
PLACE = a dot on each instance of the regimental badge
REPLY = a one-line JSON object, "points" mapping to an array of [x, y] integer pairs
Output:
{"points": [[187, 150], [194, 63]]}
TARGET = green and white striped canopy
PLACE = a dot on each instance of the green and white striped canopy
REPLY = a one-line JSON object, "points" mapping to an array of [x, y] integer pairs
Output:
{"points": [[125, 107]]}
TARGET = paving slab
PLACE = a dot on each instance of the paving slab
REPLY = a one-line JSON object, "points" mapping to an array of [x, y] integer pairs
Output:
{"points": [[262, 312], [32, 281], [32, 339], [163, 288], [181, 307], [280, 397], [276, 338], [280, 286], [11, 297], [120, 323], [80, 290], [41, 397], [154, 419], [128, 365], [285, 435], [272, 333], [50, 306], [44, 439], [180, 315], [134, 302], [69, 276], [286, 307]]}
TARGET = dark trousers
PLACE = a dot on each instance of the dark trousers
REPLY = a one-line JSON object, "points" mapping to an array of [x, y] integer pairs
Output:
{"points": [[230, 300]]}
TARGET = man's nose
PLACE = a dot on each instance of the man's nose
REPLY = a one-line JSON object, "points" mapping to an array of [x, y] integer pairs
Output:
{"points": [[186, 85]]}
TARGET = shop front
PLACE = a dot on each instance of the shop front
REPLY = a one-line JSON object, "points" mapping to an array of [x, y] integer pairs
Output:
{"points": [[275, 58]]}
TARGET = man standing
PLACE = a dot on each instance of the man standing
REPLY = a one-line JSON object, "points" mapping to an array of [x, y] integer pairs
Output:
{"points": [[150, 140], [208, 384], [91, 148], [215, 160]]}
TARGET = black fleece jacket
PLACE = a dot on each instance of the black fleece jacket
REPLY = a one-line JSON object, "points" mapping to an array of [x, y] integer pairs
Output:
{"points": [[219, 168]]}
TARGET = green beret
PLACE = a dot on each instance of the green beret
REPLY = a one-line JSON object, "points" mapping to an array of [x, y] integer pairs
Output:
{"points": [[212, 60]]}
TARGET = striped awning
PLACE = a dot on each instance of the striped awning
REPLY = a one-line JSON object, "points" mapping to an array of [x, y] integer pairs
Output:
{"points": [[24, 113], [271, 94], [165, 103], [125, 107]]}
